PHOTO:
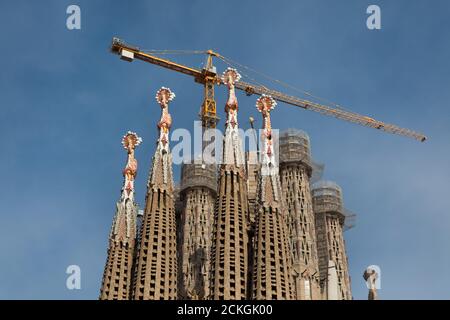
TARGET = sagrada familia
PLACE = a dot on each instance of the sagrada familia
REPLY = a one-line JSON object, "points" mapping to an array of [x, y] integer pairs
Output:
{"points": [[250, 227]]}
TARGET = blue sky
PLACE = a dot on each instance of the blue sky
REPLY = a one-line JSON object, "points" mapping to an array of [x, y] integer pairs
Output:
{"points": [[65, 102]]}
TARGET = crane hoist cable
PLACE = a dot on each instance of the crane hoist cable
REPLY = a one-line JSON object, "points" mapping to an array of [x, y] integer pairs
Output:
{"points": [[282, 83], [154, 51]]}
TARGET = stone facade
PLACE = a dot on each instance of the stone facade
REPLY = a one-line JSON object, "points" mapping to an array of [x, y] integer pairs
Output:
{"points": [[117, 276], [198, 196]]}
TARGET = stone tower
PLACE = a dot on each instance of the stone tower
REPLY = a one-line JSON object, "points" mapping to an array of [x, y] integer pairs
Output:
{"points": [[198, 196], [330, 218], [156, 262], [253, 169], [272, 258], [295, 172], [230, 238], [119, 264]]}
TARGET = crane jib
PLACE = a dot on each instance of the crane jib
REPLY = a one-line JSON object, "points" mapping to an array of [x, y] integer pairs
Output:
{"points": [[129, 53]]}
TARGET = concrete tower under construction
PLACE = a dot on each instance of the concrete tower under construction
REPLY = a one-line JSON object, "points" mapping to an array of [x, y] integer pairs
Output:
{"points": [[116, 284], [155, 277], [271, 254], [230, 239], [197, 195], [330, 218], [295, 172]]}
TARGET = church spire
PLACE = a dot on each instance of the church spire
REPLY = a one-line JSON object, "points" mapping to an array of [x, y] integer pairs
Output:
{"points": [[118, 268], [272, 260], [161, 175], [156, 262], [230, 239], [124, 225]]}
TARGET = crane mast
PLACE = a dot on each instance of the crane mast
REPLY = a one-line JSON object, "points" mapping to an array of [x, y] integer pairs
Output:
{"points": [[209, 78], [208, 111]]}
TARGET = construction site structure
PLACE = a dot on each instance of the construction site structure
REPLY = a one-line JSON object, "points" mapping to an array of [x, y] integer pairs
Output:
{"points": [[330, 221], [198, 192], [155, 277], [295, 172], [118, 270], [267, 235], [229, 255]]}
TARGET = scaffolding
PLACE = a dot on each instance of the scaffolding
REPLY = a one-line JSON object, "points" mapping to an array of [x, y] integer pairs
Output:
{"points": [[295, 147], [328, 198]]}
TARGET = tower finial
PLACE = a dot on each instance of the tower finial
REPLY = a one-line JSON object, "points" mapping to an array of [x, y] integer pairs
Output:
{"points": [[163, 97], [232, 148], [130, 141], [230, 76], [265, 104]]}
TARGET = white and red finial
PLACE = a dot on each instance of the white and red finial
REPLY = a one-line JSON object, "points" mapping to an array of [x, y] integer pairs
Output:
{"points": [[164, 96], [230, 76], [131, 140], [265, 104]]}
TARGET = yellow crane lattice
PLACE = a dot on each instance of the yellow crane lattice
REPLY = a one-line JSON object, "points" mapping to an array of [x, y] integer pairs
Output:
{"points": [[209, 78]]}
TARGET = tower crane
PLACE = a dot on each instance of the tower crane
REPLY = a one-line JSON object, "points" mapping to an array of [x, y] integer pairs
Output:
{"points": [[209, 78]]}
